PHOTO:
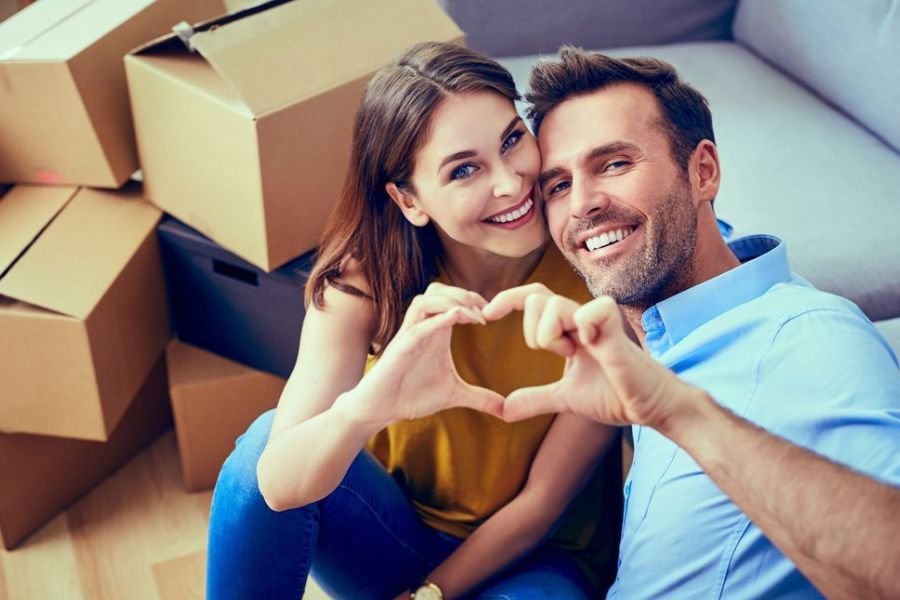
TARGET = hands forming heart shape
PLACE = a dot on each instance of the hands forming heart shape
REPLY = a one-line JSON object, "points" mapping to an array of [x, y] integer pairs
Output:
{"points": [[607, 378]]}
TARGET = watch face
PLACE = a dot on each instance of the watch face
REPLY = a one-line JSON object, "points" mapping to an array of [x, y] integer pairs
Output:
{"points": [[427, 592]]}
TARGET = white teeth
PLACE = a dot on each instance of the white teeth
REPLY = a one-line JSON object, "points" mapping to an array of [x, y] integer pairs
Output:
{"points": [[607, 238], [513, 214]]}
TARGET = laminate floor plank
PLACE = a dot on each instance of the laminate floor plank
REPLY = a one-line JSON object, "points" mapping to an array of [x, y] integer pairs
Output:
{"points": [[44, 566], [136, 536]]}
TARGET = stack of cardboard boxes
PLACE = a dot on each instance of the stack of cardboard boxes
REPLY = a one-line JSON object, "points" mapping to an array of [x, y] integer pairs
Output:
{"points": [[241, 126]]}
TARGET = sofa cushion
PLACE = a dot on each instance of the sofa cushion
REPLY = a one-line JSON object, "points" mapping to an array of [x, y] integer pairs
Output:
{"points": [[795, 167], [517, 27], [849, 52], [891, 331]]}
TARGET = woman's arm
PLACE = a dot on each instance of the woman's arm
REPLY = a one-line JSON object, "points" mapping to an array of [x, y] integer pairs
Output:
{"points": [[563, 464], [311, 446], [328, 411]]}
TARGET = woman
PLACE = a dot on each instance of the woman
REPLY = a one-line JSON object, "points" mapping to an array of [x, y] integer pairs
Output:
{"points": [[405, 479]]}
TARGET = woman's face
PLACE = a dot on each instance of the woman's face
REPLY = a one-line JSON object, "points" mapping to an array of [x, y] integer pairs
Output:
{"points": [[475, 176]]}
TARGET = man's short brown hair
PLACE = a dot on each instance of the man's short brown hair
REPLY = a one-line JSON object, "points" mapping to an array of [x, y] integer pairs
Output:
{"points": [[686, 119]]}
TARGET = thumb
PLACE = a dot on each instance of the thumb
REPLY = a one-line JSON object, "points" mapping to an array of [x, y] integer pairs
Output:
{"points": [[483, 399], [528, 402]]}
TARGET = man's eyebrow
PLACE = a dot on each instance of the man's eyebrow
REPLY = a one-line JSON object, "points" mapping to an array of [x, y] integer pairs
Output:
{"points": [[512, 125], [607, 149], [548, 175], [456, 156], [593, 154]]}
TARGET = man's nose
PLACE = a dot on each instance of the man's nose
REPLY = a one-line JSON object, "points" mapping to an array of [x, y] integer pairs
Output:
{"points": [[586, 200], [507, 181]]}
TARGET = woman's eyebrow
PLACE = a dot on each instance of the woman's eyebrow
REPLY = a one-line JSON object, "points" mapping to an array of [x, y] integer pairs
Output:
{"points": [[512, 125], [470, 153], [456, 156]]}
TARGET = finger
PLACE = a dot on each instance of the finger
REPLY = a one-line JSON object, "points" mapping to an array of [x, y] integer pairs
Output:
{"points": [[423, 307], [534, 307], [529, 402], [442, 321], [556, 326], [512, 299], [473, 316], [462, 296], [598, 319], [484, 400]]}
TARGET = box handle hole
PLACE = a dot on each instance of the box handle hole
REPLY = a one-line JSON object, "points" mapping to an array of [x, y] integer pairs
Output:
{"points": [[235, 272]]}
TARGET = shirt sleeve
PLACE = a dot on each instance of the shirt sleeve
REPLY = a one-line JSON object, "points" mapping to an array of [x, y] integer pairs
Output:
{"points": [[830, 383]]}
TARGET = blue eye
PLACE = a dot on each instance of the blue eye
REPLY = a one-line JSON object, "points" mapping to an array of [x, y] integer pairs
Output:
{"points": [[511, 140], [462, 172], [616, 165], [558, 188]]}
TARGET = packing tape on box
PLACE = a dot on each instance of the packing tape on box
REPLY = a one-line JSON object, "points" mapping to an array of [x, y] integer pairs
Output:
{"points": [[185, 32]]}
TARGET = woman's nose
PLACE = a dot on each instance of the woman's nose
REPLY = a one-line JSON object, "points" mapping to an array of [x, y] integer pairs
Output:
{"points": [[507, 181]]}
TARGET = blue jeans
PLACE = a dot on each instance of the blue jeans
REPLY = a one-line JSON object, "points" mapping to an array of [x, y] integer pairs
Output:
{"points": [[364, 540]]}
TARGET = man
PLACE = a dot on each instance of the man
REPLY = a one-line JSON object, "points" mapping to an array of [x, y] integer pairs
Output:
{"points": [[721, 487]]}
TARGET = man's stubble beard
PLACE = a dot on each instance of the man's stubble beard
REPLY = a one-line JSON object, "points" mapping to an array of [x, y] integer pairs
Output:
{"points": [[662, 267]]}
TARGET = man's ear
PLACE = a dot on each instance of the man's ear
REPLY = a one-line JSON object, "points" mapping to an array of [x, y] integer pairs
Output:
{"points": [[704, 171], [408, 204]]}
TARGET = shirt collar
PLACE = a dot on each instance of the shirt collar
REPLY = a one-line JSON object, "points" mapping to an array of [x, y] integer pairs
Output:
{"points": [[763, 264]]}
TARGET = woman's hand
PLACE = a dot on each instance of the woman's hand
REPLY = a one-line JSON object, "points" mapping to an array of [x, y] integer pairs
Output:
{"points": [[415, 376]]}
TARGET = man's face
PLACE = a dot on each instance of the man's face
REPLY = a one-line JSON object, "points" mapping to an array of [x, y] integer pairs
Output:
{"points": [[617, 205]]}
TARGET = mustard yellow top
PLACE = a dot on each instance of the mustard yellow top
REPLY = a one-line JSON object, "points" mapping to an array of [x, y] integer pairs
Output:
{"points": [[460, 466]]}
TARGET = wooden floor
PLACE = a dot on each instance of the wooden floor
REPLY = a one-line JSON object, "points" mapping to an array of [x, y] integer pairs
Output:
{"points": [[138, 536]]}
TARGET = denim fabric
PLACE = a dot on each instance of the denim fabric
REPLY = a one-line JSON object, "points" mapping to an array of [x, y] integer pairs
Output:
{"points": [[364, 540]]}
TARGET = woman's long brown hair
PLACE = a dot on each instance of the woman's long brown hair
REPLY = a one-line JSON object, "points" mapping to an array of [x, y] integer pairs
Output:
{"points": [[397, 259]]}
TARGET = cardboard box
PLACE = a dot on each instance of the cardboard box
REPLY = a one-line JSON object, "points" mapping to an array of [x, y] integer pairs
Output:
{"points": [[247, 139], [233, 6], [7, 8], [64, 112], [83, 313], [214, 400], [43, 475], [227, 306]]}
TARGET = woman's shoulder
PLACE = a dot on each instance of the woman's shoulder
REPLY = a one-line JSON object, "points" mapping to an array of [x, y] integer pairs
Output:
{"points": [[348, 297], [352, 276]]}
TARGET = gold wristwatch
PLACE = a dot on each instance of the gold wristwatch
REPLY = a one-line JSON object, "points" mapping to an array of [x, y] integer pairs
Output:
{"points": [[428, 591]]}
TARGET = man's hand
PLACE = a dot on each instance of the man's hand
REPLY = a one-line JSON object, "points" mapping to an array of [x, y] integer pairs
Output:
{"points": [[608, 377], [415, 376]]}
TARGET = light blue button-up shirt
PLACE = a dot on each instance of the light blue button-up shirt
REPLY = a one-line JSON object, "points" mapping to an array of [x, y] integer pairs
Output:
{"points": [[803, 364]]}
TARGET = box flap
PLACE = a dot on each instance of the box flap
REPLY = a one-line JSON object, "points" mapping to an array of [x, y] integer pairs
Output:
{"points": [[24, 213], [79, 255], [60, 29], [172, 42], [276, 55]]}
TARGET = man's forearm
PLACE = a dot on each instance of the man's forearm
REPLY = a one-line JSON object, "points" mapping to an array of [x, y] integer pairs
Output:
{"points": [[839, 527]]}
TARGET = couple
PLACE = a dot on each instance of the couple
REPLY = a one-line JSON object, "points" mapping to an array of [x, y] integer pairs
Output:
{"points": [[406, 481]]}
